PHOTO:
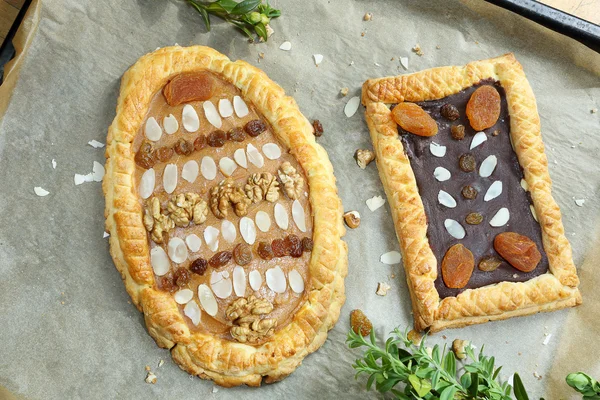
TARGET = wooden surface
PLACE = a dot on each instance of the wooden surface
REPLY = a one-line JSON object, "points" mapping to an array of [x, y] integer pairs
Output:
{"points": [[585, 9]]}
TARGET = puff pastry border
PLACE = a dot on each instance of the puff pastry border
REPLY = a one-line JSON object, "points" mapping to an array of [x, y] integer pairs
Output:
{"points": [[225, 362], [551, 291]]}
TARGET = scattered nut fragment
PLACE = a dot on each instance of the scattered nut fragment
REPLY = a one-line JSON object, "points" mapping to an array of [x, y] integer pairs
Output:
{"points": [[352, 219], [457, 132], [226, 193], [364, 157], [489, 263], [458, 347], [520, 251], [368, 16], [262, 186], [292, 181], [474, 219], [150, 378], [417, 50], [360, 323], [450, 112], [382, 288], [414, 337], [317, 128], [344, 91]]}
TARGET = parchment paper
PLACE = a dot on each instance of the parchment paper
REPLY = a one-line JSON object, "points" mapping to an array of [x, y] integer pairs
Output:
{"points": [[67, 327]]}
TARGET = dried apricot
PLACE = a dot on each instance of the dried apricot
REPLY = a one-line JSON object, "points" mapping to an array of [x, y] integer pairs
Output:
{"points": [[220, 259], [189, 87], [483, 108], [412, 118], [360, 323], [520, 251], [489, 263], [242, 254], [457, 266]]}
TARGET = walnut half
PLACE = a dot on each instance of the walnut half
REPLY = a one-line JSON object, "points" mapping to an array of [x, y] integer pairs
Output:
{"points": [[262, 186], [292, 181], [227, 193], [184, 208], [157, 223], [248, 326]]}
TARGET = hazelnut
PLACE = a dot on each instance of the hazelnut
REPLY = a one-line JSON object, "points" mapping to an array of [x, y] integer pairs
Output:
{"points": [[364, 157], [458, 347], [352, 219]]}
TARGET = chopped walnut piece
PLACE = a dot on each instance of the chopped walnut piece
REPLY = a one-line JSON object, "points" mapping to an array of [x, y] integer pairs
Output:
{"points": [[292, 181], [364, 157], [248, 326], [150, 378], [157, 223], [262, 186], [226, 193], [352, 219], [417, 50], [382, 288], [187, 207]]}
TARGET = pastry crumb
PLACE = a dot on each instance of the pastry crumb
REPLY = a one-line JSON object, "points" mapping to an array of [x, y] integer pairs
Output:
{"points": [[594, 110], [382, 289], [160, 363], [438, 47], [363, 33], [417, 50], [344, 91], [147, 368]]}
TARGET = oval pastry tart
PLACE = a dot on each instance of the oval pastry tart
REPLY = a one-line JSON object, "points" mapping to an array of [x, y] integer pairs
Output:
{"points": [[224, 217]]}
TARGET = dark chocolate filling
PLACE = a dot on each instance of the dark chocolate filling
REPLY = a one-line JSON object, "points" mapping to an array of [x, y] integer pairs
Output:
{"points": [[479, 238]]}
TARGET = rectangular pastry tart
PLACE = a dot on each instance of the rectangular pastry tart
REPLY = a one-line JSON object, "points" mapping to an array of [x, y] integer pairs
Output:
{"points": [[461, 158]]}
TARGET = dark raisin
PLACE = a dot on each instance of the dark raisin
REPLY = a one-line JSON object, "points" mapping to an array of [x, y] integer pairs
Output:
{"points": [[181, 277], [242, 254], [278, 248], [217, 138], [469, 192], [293, 245], [474, 219], [166, 284], [236, 134], [200, 143], [183, 147], [457, 132], [307, 244], [199, 266], [450, 112], [164, 154], [255, 127], [264, 250], [489, 263], [220, 259], [466, 162], [317, 128], [145, 157]]}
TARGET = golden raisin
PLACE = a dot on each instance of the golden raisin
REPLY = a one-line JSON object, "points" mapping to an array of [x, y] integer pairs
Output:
{"points": [[166, 284], [242, 254], [360, 323], [457, 132], [200, 142], [293, 246], [183, 147], [216, 138], [466, 162], [483, 108], [412, 118], [164, 154], [450, 112], [469, 192], [145, 157], [489, 263], [220, 259], [457, 266], [199, 266], [255, 127], [474, 219], [236, 134], [278, 248], [265, 251], [189, 87], [181, 276], [307, 244], [520, 251]]}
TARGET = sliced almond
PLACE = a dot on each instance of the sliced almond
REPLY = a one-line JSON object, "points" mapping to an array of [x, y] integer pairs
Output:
{"points": [[228, 231], [351, 106], [580, 202], [189, 118], [211, 238], [98, 172], [211, 114], [227, 166], [375, 202], [240, 107], [276, 279], [248, 230], [170, 124], [192, 311], [207, 300], [239, 281], [500, 218], [446, 199], [147, 183], [391, 258], [178, 252], [404, 62], [281, 216], [524, 185], [208, 168], [255, 280], [298, 215], [220, 284], [442, 174], [183, 296], [160, 261], [437, 149], [263, 221], [190, 170], [296, 281], [454, 229], [193, 242], [254, 156], [286, 46], [533, 213], [488, 166], [225, 108], [40, 191], [493, 191], [152, 129], [271, 151], [95, 144], [478, 139], [170, 178], [240, 158], [318, 59]]}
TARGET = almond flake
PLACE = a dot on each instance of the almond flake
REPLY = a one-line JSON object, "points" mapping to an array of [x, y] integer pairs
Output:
{"points": [[228, 231], [170, 178], [375, 202], [391, 258], [276, 279], [318, 59], [248, 230], [404, 62], [152, 129], [441, 174], [240, 107], [255, 280], [221, 284], [454, 229], [225, 108], [254, 156], [183, 296], [160, 261], [178, 252], [170, 124], [298, 215], [437, 149], [500, 218], [488, 166], [239, 281], [227, 166], [211, 238], [446, 199], [524, 185], [189, 118], [263, 221], [281, 216], [190, 170], [533, 213], [147, 183], [41, 191], [580, 202], [351, 106], [286, 46], [296, 281], [493, 191], [98, 172], [193, 242], [210, 111], [478, 139], [208, 168], [240, 158], [192, 311], [207, 300], [271, 151], [105, 235], [96, 144], [53, 163], [547, 339]]}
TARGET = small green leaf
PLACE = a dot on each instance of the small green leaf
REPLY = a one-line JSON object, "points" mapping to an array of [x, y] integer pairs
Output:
{"points": [[474, 386], [448, 393], [465, 380], [421, 386], [520, 392], [227, 5], [245, 7], [450, 363]]}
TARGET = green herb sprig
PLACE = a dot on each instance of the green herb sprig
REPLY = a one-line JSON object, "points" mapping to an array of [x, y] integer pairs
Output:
{"points": [[584, 384], [252, 17], [416, 372]]}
